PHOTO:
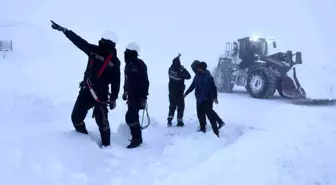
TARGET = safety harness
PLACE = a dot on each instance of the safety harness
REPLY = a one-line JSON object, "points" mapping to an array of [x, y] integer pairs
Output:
{"points": [[102, 69], [94, 95]]}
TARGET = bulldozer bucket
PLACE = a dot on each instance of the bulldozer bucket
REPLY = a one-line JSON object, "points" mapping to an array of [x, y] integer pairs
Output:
{"points": [[290, 88]]}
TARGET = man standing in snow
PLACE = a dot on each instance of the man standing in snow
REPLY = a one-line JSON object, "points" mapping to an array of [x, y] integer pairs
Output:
{"points": [[136, 87], [206, 94], [103, 68], [220, 122], [177, 74]]}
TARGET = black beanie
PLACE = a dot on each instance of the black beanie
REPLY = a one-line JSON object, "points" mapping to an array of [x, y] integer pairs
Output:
{"points": [[194, 65], [202, 65]]}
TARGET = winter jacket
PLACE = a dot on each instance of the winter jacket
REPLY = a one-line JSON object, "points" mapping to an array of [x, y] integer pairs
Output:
{"points": [[136, 83], [205, 88], [97, 56], [177, 75]]}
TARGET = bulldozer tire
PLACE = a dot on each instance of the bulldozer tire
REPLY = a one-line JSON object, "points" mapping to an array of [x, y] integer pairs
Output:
{"points": [[261, 82], [223, 76]]}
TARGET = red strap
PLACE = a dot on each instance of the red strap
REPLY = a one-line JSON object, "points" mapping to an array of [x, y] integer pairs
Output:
{"points": [[104, 65]]}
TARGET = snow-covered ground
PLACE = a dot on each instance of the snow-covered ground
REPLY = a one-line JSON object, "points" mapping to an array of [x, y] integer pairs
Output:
{"points": [[265, 142]]}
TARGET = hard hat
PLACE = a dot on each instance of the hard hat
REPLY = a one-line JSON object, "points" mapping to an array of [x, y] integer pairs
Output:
{"points": [[110, 35], [133, 46]]}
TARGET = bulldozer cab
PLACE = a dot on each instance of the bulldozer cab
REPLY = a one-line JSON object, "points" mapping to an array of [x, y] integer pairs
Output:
{"points": [[261, 45]]}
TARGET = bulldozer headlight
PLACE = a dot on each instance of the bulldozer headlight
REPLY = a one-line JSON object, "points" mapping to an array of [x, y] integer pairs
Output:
{"points": [[254, 38]]}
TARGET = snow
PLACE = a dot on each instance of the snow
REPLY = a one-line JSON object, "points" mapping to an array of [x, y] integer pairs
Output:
{"points": [[317, 81], [264, 141]]}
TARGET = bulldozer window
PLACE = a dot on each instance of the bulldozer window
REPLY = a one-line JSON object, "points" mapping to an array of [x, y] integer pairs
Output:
{"points": [[262, 48], [246, 44]]}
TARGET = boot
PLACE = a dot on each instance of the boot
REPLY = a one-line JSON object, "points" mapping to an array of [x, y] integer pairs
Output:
{"points": [[135, 142], [136, 136], [81, 128], [221, 124], [105, 138], [180, 123], [214, 126], [216, 132], [202, 130], [169, 123]]}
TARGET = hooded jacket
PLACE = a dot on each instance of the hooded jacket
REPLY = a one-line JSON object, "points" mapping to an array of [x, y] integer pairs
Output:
{"points": [[204, 86]]}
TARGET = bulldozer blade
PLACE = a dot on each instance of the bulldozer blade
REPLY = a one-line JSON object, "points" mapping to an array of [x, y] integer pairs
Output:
{"points": [[298, 94], [290, 89]]}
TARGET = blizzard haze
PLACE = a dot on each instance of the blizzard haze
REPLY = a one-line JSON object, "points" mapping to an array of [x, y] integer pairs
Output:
{"points": [[202, 27], [198, 29], [265, 142]]}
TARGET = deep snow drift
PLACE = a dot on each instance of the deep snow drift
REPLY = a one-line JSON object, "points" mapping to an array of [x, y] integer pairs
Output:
{"points": [[282, 144], [264, 142]]}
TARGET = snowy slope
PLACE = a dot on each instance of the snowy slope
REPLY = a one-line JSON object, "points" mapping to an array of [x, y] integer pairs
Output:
{"points": [[263, 149], [265, 141]]}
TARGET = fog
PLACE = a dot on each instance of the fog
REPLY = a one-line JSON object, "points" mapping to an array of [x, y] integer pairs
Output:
{"points": [[198, 29]]}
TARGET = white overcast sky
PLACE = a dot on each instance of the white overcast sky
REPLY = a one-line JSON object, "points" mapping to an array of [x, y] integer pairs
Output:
{"points": [[198, 29]]}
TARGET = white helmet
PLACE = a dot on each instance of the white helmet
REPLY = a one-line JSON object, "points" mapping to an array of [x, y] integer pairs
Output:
{"points": [[110, 35], [133, 46]]}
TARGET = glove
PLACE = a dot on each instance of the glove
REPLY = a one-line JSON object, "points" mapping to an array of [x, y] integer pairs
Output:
{"points": [[177, 57], [143, 103], [57, 27], [124, 96], [112, 104]]}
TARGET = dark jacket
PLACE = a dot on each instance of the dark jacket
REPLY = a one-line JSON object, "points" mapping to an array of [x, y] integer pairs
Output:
{"points": [[97, 56], [205, 88], [136, 83], [177, 75]]}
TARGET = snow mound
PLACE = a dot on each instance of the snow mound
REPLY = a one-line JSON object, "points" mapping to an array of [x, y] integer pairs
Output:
{"points": [[317, 81]]}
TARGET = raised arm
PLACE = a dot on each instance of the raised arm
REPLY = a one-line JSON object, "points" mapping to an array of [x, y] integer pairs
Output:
{"points": [[74, 38], [184, 74], [79, 42]]}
